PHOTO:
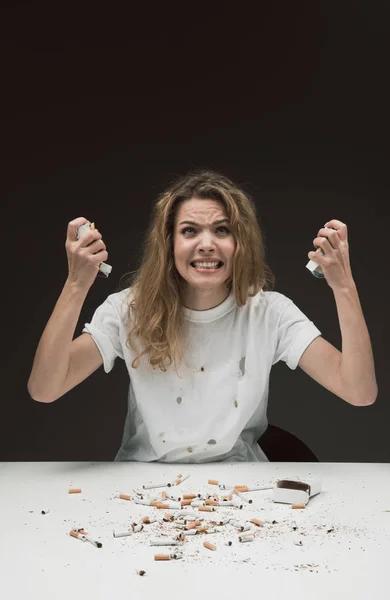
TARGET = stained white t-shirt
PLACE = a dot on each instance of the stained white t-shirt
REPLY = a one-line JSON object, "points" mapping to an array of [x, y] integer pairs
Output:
{"points": [[217, 409]]}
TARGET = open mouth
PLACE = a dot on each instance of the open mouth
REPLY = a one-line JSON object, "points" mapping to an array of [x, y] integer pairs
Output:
{"points": [[207, 266]]}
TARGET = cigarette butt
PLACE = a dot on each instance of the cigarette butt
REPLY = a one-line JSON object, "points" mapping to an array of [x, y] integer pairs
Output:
{"points": [[206, 508], [140, 572], [201, 529], [118, 534], [44, 512], [298, 505], [294, 526], [241, 488], [245, 538], [74, 533], [74, 491], [137, 527], [229, 543], [82, 531], [190, 532], [213, 482], [194, 524], [211, 502], [209, 546], [186, 502], [298, 542], [229, 497], [168, 517], [189, 496], [145, 520], [329, 529], [257, 522], [124, 497], [162, 557]]}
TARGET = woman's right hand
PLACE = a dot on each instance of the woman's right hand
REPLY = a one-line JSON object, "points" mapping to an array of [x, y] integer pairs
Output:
{"points": [[84, 255]]}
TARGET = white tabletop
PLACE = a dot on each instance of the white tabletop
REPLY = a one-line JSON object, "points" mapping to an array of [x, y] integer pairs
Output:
{"points": [[39, 559]]}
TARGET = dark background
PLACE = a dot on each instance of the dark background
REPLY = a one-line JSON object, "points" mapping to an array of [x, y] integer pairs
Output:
{"points": [[101, 106]]}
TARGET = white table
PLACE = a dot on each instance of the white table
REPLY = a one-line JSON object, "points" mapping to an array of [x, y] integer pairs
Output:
{"points": [[38, 558]]}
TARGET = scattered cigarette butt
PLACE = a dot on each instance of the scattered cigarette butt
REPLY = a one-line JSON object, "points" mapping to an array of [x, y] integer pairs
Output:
{"points": [[186, 502], [118, 534], [245, 538], [229, 543], [140, 572], [257, 522], [165, 542], [329, 529], [162, 557], [74, 491], [240, 488], [213, 482], [44, 512], [298, 542], [206, 508], [209, 545], [124, 497], [189, 496], [211, 502], [151, 486], [298, 505], [294, 526], [191, 532]]}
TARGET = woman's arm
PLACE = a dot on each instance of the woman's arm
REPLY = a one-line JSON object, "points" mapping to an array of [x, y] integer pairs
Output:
{"points": [[350, 373]]}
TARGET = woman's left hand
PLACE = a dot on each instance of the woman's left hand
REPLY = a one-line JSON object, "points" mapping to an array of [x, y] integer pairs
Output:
{"points": [[334, 262]]}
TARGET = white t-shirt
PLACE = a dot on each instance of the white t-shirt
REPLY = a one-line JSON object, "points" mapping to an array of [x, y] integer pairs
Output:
{"points": [[217, 409]]}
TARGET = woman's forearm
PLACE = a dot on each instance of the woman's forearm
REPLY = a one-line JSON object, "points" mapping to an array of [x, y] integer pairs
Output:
{"points": [[357, 368]]}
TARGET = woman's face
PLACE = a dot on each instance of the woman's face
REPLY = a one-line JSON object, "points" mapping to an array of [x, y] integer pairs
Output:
{"points": [[203, 246]]}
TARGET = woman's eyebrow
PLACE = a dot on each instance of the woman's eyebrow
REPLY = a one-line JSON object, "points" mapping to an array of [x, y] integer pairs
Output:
{"points": [[194, 223]]}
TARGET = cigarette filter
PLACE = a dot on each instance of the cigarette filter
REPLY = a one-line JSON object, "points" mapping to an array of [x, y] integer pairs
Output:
{"points": [[74, 491], [189, 496], [124, 497], [162, 557], [257, 522], [298, 505], [206, 508], [213, 482], [186, 502], [209, 546]]}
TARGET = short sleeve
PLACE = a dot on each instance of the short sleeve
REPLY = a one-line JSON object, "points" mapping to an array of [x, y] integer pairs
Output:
{"points": [[295, 333], [104, 329]]}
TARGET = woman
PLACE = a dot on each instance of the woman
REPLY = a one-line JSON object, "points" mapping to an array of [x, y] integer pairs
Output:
{"points": [[199, 328]]}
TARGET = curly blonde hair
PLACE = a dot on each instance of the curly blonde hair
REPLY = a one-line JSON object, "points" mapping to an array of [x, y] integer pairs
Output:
{"points": [[155, 306]]}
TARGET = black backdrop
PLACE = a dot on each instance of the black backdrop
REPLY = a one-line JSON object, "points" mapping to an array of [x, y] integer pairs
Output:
{"points": [[102, 106]]}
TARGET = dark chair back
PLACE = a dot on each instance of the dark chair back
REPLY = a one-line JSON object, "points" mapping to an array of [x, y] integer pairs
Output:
{"points": [[282, 446]]}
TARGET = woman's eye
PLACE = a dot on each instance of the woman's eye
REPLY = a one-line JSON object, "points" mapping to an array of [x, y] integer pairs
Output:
{"points": [[191, 229]]}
